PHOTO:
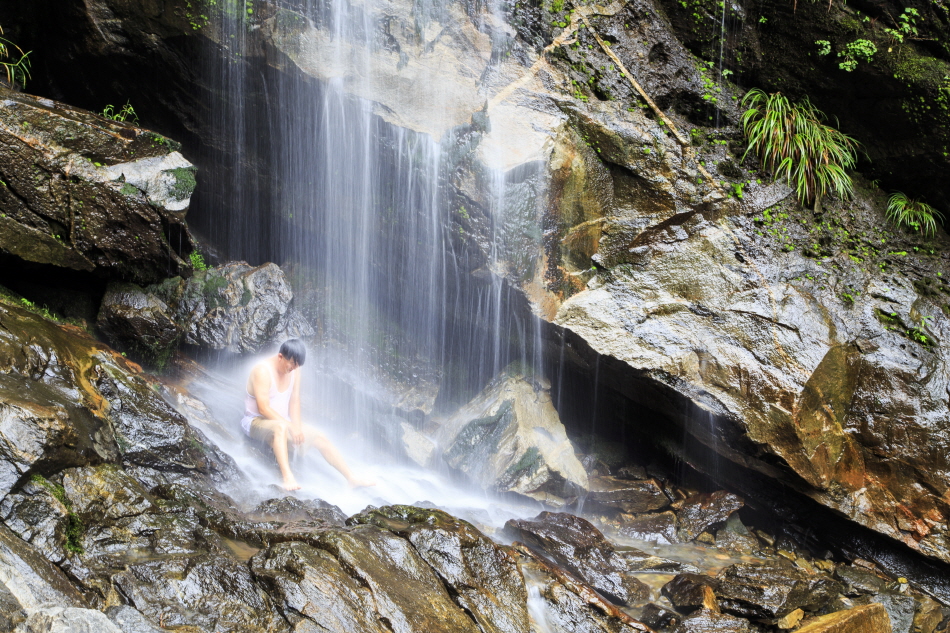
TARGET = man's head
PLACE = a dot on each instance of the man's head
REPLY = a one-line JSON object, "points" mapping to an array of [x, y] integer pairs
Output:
{"points": [[293, 350]]}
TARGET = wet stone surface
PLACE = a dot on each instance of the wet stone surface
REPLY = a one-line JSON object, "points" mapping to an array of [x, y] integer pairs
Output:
{"points": [[771, 590], [578, 546]]}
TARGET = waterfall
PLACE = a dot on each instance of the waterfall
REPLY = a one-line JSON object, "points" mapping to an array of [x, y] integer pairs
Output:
{"points": [[358, 144]]}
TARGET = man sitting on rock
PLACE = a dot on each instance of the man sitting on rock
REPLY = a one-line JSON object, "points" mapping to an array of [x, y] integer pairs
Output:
{"points": [[272, 413]]}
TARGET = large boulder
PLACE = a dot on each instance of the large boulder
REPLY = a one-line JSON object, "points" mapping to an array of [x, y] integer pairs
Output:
{"points": [[87, 193], [509, 439], [483, 577], [406, 591], [234, 307]]}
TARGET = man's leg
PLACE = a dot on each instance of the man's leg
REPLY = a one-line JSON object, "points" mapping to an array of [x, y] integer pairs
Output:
{"points": [[333, 456], [276, 434]]}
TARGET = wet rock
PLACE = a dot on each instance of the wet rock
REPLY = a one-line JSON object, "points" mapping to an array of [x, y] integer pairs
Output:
{"points": [[31, 579], [689, 592], [138, 321], [38, 517], [310, 584], [405, 590], [105, 493], [67, 620], [858, 581], [509, 439], [37, 431], [790, 620], [657, 617], [900, 610], [563, 604], [656, 528], [734, 535], [234, 307], [866, 619], [633, 497], [206, 591], [11, 612], [483, 578], [115, 413], [403, 440], [929, 615], [579, 547], [771, 590], [273, 521], [130, 620], [701, 512], [642, 562], [712, 622], [89, 194], [294, 509]]}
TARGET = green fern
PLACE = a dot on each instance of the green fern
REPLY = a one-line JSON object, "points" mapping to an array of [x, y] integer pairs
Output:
{"points": [[912, 213], [793, 143], [17, 71]]}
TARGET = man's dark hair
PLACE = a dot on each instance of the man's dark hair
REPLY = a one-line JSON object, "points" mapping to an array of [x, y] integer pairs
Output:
{"points": [[293, 349]]}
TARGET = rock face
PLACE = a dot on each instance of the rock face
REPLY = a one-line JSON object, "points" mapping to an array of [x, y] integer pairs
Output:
{"points": [[509, 438], [578, 546], [86, 193], [234, 307]]}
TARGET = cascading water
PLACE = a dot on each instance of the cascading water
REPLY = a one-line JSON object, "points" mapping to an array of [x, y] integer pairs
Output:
{"points": [[359, 212]]}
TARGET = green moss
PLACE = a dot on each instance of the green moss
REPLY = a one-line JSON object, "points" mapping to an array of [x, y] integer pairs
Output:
{"points": [[529, 462], [128, 190], [185, 182], [74, 524], [211, 289], [929, 71], [157, 140]]}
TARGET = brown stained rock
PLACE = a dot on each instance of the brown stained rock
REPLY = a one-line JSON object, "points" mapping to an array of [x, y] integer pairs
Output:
{"points": [[82, 192], [403, 587], [579, 547], [37, 430], [633, 497], [113, 413], [790, 620], [700, 512], [483, 578], [105, 493], [870, 618], [929, 615], [658, 528]]}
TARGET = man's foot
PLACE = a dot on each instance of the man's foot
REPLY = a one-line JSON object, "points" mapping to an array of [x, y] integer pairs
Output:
{"points": [[361, 483], [290, 485]]}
